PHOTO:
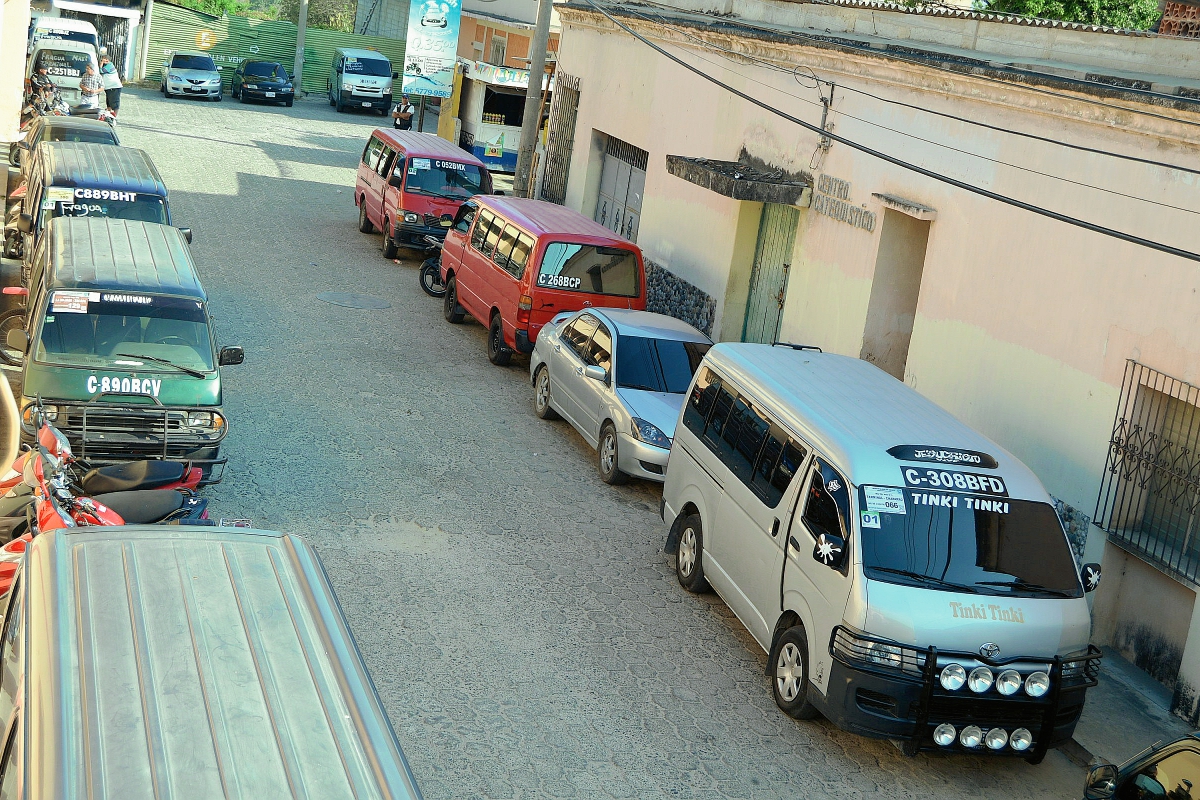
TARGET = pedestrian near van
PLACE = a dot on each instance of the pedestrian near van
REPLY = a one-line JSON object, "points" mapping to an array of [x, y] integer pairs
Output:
{"points": [[402, 114], [110, 78], [90, 87]]}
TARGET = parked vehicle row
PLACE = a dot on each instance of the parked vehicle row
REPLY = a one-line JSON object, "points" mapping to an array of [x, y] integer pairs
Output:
{"points": [[907, 578]]}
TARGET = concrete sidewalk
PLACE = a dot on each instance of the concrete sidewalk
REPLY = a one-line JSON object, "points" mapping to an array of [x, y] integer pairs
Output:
{"points": [[1126, 713]]}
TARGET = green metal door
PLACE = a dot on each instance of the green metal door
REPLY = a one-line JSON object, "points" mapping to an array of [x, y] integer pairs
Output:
{"points": [[768, 277]]}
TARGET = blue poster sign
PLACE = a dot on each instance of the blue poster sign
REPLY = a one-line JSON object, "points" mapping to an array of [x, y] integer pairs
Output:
{"points": [[431, 47]]}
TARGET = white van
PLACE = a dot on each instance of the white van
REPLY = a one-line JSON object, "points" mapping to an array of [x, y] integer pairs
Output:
{"points": [[908, 578], [62, 28], [361, 79], [64, 61]]}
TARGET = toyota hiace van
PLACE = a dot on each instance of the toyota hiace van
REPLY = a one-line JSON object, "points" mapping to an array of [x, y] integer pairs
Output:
{"points": [[361, 79]]}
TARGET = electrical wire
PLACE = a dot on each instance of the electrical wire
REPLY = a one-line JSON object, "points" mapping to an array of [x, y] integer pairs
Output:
{"points": [[979, 190], [818, 81], [933, 64]]}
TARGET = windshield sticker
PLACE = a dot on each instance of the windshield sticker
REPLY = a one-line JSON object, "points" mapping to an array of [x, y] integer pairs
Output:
{"points": [[106, 194], [421, 163], [450, 165], [942, 455], [123, 385], [60, 193], [952, 501], [954, 481], [886, 499], [70, 303], [870, 520], [127, 298]]}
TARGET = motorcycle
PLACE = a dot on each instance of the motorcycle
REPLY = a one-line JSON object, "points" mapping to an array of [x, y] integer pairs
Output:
{"points": [[430, 273]]}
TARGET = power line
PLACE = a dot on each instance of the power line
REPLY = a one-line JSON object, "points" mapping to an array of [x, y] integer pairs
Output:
{"points": [[778, 68], [979, 190], [932, 64]]}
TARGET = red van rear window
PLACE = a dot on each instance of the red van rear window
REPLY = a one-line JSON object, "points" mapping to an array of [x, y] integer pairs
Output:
{"points": [[590, 269]]}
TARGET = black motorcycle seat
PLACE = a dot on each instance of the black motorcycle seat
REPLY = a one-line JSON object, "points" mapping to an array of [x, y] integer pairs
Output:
{"points": [[133, 475], [142, 507]]}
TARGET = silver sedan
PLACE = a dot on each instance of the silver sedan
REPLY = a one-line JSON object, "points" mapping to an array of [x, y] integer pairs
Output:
{"points": [[620, 377]]}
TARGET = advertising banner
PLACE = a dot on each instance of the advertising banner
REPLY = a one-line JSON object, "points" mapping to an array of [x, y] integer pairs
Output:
{"points": [[431, 47]]}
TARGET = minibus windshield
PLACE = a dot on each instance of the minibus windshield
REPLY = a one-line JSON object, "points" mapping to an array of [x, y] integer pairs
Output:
{"points": [[657, 365], [591, 269], [375, 67], [63, 63], [450, 179], [125, 331], [976, 543]]}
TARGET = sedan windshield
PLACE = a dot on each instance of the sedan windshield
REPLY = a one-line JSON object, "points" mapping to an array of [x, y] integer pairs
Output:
{"points": [[657, 365], [450, 179], [263, 69], [204, 63], [984, 544], [103, 329]]}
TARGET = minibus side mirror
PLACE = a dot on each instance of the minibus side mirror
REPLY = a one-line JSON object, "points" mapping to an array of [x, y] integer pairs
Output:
{"points": [[499, 192], [596, 373], [830, 550], [187, 234], [231, 356], [396, 181], [1101, 782], [1089, 574], [25, 223], [18, 340]]}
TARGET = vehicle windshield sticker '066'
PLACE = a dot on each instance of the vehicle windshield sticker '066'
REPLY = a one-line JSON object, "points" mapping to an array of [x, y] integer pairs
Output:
{"points": [[123, 385], [559, 281], [947, 480], [884, 499], [106, 194]]}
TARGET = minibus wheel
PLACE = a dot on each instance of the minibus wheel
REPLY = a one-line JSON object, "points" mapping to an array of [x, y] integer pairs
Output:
{"points": [[451, 310], [789, 674], [389, 246], [497, 350], [364, 224], [689, 559]]}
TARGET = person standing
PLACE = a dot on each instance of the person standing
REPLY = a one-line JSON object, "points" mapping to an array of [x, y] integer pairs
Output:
{"points": [[90, 87], [111, 80], [402, 114]]}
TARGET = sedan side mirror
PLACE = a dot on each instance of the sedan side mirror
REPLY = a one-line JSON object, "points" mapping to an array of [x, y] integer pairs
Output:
{"points": [[18, 340], [1101, 782], [596, 373], [187, 234], [830, 550], [1090, 576], [231, 356], [25, 223]]}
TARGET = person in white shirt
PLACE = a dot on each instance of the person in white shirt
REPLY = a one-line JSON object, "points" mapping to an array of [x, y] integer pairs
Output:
{"points": [[402, 114]]}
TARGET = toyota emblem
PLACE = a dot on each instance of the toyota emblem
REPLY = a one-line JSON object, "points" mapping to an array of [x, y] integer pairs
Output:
{"points": [[989, 649]]}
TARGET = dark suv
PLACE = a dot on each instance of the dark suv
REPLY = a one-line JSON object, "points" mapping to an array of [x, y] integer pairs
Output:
{"points": [[262, 80]]}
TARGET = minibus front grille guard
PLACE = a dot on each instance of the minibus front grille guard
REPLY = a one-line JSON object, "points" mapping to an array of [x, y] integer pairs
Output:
{"points": [[139, 431], [919, 666]]}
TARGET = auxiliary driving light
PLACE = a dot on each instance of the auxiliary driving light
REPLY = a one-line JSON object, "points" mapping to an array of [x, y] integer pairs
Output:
{"points": [[944, 734], [1008, 682], [996, 739], [1037, 684], [953, 677], [1021, 739], [980, 680], [971, 736]]}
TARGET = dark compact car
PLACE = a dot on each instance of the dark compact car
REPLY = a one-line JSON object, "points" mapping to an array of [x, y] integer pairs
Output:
{"points": [[262, 80]]}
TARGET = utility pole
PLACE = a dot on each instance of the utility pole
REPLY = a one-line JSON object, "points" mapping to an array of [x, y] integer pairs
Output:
{"points": [[533, 107], [301, 24]]}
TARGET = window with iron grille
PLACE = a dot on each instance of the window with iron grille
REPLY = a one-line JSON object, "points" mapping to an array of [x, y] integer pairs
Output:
{"points": [[1149, 501], [564, 108]]}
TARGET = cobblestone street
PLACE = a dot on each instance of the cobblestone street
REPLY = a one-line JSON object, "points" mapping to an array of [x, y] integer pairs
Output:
{"points": [[524, 628]]}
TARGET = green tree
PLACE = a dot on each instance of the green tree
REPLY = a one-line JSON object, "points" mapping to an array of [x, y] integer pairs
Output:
{"points": [[334, 15], [1135, 14]]}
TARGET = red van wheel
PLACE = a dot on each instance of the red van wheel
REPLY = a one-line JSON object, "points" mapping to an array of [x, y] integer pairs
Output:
{"points": [[497, 350], [364, 224]]}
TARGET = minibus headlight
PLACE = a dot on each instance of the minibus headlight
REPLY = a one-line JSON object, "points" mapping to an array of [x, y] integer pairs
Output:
{"points": [[971, 736], [980, 680], [1008, 682], [1037, 684], [953, 677], [200, 419], [411, 217], [1021, 739], [645, 432], [346, 87], [996, 739], [886, 655], [944, 734]]}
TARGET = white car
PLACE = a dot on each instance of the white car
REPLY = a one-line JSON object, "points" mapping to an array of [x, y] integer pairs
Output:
{"points": [[620, 378], [434, 17], [191, 75]]}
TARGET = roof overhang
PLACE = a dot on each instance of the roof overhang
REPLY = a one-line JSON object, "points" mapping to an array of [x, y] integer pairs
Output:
{"points": [[742, 181]]}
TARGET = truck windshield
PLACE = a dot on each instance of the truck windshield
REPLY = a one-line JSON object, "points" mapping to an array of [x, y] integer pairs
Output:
{"points": [[449, 179], [63, 63], [978, 543], [92, 329], [121, 205]]}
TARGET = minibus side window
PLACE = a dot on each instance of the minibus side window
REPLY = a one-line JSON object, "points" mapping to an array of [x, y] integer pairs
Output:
{"points": [[385, 161], [520, 255], [781, 457], [486, 218], [493, 236], [720, 415], [503, 254], [8, 772], [371, 152], [742, 438], [700, 402], [827, 508], [10, 650]]}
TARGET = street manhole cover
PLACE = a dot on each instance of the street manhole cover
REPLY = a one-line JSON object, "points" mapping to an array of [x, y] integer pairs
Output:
{"points": [[354, 300]]}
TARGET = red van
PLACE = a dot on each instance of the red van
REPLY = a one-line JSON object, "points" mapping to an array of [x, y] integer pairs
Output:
{"points": [[408, 181], [513, 264]]}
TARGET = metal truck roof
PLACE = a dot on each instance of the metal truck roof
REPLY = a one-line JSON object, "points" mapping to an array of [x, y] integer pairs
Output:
{"points": [[540, 217], [120, 255], [855, 412], [196, 663], [427, 145], [102, 166]]}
